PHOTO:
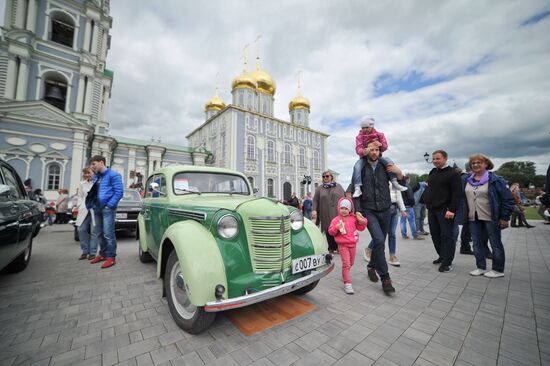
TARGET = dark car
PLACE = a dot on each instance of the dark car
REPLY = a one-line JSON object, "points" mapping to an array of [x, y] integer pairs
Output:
{"points": [[126, 213], [19, 221]]}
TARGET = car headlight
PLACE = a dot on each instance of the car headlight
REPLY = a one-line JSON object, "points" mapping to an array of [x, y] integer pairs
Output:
{"points": [[228, 227], [296, 220]]}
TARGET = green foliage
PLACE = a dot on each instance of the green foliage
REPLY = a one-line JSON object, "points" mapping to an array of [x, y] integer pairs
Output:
{"points": [[522, 172]]}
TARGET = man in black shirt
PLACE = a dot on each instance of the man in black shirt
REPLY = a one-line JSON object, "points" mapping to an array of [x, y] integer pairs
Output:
{"points": [[442, 199]]}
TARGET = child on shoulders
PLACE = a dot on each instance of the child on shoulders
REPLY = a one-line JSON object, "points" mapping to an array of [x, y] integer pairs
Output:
{"points": [[365, 136]]}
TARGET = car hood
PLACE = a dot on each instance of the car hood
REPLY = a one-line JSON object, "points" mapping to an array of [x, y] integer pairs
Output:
{"points": [[234, 202]]}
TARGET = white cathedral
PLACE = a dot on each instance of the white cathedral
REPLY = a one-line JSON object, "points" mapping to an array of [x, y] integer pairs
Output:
{"points": [[278, 157]]}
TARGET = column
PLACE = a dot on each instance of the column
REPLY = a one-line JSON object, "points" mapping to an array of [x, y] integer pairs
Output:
{"points": [[88, 97], [23, 79], [12, 77], [68, 97], [80, 94], [93, 46], [87, 32], [7, 14], [20, 14], [106, 97], [104, 45], [31, 16], [79, 146]]}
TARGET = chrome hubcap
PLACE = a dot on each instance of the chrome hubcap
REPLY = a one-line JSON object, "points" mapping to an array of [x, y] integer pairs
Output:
{"points": [[179, 293]]}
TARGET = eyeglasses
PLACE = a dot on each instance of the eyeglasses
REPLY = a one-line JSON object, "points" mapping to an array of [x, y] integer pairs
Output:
{"points": [[476, 162], [327, 176]]}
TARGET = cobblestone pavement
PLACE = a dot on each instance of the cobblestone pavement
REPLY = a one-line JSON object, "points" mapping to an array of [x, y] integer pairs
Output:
{"points": [[61, 311]]}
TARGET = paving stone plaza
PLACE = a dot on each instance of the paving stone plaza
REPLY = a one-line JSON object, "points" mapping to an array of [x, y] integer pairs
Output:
{"points": [[61, 311]]}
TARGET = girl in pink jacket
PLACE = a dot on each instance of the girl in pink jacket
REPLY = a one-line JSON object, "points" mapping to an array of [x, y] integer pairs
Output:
{"points": [[344, 229]]}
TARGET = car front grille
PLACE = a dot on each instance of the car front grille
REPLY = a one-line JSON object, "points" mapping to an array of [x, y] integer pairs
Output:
{"points": [[270, 243]]}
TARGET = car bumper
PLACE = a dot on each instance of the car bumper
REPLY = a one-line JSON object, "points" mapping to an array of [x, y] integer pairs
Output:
{"points": [[255, 297], [125, 223]]}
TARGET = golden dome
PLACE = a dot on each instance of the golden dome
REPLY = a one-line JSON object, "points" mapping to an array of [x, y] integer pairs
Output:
{"points": [[244, 80], [299, 102], [214, 104], [265, 81]]}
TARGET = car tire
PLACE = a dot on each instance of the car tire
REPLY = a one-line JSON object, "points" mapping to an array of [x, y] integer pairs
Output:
{"points": [[22, 261], [76, 237], [304, 290], [192, 319], [144, 257]]}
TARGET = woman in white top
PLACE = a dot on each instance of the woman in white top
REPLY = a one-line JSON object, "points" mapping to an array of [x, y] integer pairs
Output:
{"points": [[84, 218]]}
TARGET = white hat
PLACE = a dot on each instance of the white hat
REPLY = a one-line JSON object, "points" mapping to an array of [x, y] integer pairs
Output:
{"points": [[367, 122], [346, 203]]}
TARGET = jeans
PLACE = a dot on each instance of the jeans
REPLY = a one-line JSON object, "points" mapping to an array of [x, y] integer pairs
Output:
{"points": [[104, 231], [378, 226], [360, 164], [442, 235], [391, 234], [479, 229], [307, 214], [419, 216], [347, 253], [87, 245], [412, 223]]}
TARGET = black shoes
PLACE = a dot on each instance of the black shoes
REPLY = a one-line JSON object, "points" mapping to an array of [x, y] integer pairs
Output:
{"points": [[387, 286], [467, 251], [445, 269], [437, 261], [371, 272], [529, 226]]}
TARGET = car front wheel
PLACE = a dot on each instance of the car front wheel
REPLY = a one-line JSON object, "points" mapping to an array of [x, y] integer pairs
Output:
{"points": [[193, 319], [22, 261]]}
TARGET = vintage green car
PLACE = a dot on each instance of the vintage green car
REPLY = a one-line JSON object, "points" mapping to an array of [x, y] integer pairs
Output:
{"points": [[220, 247]]}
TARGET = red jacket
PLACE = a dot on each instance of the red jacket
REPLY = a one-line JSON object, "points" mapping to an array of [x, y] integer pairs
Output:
{"points": [[362, 139], [350, 224]]}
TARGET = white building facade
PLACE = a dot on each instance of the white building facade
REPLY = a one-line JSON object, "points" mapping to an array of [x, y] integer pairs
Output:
{"points": [[279, 157]]}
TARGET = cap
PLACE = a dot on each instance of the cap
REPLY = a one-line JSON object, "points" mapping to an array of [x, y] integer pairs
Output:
{"points": [[346, 203], [367, 122]]}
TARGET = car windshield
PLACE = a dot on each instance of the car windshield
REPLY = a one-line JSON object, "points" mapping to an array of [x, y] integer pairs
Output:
{"points": [[131, 196], [199, 182]]}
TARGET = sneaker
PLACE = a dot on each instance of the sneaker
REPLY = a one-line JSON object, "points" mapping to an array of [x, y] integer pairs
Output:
{"points": [[348, 289], [387, 286], [398, 186], [366, 254], [393, 261], [493, 274], [371, 272], [405, 237], [467, 251], [109, 262], [83, 256], [91, 257], [97, 259], [418, 238], [425, 233], [357, 192], [437, 261], [477, 272], [445, 269]]}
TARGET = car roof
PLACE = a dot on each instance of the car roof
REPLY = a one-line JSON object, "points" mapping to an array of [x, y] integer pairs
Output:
{"points": [[173, 169]]}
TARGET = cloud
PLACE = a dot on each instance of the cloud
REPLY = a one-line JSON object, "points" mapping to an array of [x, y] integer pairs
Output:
{"points": [[463, 76]]}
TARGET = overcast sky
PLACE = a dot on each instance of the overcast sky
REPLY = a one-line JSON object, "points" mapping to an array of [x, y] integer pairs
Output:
{"points": [[464, 76]]}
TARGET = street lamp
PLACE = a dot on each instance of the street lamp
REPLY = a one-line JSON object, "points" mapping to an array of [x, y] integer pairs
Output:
{"points": [[307, 181], [427, 158]]}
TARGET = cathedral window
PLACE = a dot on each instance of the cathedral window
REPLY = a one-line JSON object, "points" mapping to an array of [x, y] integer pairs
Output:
{"points": [[270, 192], [271, 151], [55, 90], [287, 154], [62, 29], [54, 176], [251, 147], [302, 156], [316, 159]]}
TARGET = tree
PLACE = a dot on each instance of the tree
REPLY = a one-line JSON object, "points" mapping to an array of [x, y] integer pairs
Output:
{"points": [[522, 172]]}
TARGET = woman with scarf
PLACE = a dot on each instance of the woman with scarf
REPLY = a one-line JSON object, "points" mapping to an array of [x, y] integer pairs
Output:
{"points": [[325, 206], [489, 204]]}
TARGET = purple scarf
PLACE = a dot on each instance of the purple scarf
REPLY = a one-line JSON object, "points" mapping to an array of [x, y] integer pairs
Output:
{"points": [[329, 185], [484, 179]]}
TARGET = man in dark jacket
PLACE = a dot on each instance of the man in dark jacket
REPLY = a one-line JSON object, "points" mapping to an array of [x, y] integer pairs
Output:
{"points": [[376, 205], [108, 192], [442, 198]]}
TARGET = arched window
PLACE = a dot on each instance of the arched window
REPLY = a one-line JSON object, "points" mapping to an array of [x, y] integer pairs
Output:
{"points": [[62, 28], [287, 154], [55, 89], [316, 159], [270, 151], [302, 156], [270, 192], [250, 147], [54, 176]]}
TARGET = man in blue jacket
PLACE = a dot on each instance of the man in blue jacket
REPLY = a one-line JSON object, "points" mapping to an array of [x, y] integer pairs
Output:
{"points": [[106, 194]]}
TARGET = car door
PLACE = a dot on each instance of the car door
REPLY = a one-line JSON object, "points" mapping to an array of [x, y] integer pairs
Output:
{"points": [[157, 211], [9, 213]]}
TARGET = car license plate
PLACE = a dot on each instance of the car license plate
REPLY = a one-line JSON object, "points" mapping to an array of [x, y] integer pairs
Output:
{"points": [[121, 215], [310, 262]]}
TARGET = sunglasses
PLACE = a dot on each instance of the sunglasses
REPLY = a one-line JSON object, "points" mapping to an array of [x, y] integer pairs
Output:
{"points": [[327, 176]]}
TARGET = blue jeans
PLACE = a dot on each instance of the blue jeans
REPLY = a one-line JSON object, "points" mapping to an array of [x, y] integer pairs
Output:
{"points": [[441, 230], [104, 231], [412, 223], [378, 226], [419, 216], [480, 229], [87, 245], [360, 164], [391, 234]]}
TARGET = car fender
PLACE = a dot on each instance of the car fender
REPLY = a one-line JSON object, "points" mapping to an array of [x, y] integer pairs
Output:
{"points": [[317, 238], [199, 257]]}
